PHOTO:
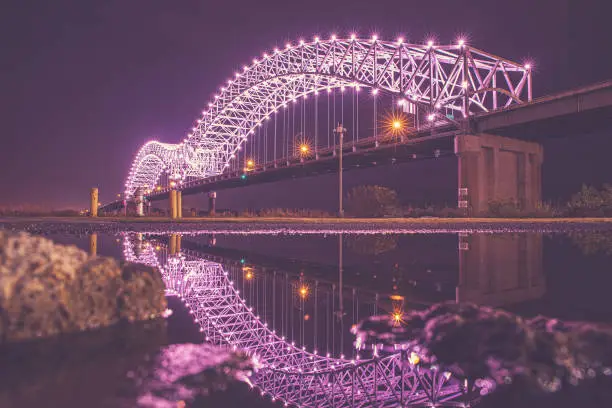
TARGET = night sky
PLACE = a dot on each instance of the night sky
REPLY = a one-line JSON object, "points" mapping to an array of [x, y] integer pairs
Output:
{"points": [[84, 83]]}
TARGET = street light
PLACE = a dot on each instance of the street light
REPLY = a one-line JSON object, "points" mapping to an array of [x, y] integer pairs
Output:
{"points": [[340, 131]]}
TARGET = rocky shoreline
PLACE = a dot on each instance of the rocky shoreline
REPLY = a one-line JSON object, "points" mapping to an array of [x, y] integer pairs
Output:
{"points": [[47, 289]]}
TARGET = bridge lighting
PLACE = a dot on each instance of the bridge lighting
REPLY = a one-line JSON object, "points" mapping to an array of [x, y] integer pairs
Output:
{"points": [[375, 91], [461, 42], [250, 163], [464, 84], [265, 55], [353, 37], [301, 42], [357, 88], [397, 124], [210, 104], [303, 291], [414, 358], [400, 40], [316, 39], [288, 45], [255, 61], [329, 89], [333, 37], [374, 38], [304, 148], [158, 188], [527, 66], [172, 183], [342, 88], [276, 50], [430, 43], [431, 117]]}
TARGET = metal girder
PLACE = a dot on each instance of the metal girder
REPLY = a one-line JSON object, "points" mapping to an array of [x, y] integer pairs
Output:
{"points": [[456, 78]]}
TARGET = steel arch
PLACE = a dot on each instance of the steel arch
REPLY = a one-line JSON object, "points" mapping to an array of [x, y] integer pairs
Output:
{"points": [[458, 78]]}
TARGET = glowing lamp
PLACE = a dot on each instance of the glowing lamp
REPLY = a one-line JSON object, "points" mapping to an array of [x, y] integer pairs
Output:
{"points": [[430, 43], [461, 42], [375, 91], [304, 148], [353, 36], [431, 117], [250, 163], [333, 37], [303, 291], [243, 177], [400, 40], [527, 66], [374, 37], [414, 358], [397, 124], [316, 39]]}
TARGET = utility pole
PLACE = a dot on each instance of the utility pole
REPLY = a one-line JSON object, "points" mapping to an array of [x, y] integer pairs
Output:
{"points": [[340, 131]]}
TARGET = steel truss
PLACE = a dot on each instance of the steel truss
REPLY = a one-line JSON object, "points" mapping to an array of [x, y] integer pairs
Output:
{"points": [[456, 79], [289, 373]]}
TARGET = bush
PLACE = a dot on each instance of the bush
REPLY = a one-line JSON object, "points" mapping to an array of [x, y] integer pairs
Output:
{"points": [[590, 202], [371, 201]]}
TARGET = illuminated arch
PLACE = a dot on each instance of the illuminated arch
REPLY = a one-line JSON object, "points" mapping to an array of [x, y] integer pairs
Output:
{"points": [[455, 78]]}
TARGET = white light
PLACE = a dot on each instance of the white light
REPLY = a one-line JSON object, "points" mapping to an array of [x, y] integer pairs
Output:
{"points": [[353, 36], [431, 117], [375, 91], [316, 39], [265, 55], [333, 37], [527, 66], [464, 84], [400, 40], [255, 61], [301, 42], [430, 44], [342, 88], [288, 45], [276, 50], [374, 37]]}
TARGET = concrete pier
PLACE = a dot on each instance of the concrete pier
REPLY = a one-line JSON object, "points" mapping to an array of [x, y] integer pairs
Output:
{"points": [[179, 204], [139, 200], [172, 203], [212, 201], [93, 209], [498, 169]]}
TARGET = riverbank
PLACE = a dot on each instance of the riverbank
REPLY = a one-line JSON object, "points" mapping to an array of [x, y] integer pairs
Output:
{"points": [[282, 224]]}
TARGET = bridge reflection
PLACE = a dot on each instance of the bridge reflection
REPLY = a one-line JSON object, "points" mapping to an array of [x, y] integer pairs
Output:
{"points": [[236, 306]]}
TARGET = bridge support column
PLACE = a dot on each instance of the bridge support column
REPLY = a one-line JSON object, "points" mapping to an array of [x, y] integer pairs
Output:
{"points": [[498, 169], [212, 202], [93, 209], [139, 199], [172, 202], [179, 204]]}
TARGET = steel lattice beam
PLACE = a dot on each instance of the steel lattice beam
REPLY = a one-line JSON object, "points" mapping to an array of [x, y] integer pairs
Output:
{"points": [[455, 78]]}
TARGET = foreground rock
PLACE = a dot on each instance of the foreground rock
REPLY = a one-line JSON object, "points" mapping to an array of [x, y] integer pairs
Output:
{"points": [[495, 348], [48, 289]]}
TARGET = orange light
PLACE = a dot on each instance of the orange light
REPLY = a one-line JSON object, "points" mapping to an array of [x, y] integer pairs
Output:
{"points": [[414, 358], [250, 163], [158, 188], [397, 124], [303, 291], [172, 183], [304, 148]]}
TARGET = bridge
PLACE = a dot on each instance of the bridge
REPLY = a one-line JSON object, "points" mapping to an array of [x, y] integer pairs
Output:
{"points": [[322, 105], [289, 373]]}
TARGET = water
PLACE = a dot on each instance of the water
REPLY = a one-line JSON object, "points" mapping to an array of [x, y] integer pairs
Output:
{"points": [[293, 299]]}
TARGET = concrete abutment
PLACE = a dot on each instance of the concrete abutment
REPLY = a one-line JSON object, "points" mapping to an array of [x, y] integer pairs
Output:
{"points": [[497, 169]]}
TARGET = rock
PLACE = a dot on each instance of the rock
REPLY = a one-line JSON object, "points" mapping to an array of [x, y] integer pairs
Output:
{"points": [[47, 289]]}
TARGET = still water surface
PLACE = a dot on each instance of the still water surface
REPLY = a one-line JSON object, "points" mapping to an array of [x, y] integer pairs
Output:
{"points": [[305, 292]]}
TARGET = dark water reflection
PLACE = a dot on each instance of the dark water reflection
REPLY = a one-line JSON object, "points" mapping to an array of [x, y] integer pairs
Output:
{"points": [[311, 289]]}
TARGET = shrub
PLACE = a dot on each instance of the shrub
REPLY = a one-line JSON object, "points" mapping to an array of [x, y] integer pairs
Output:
{"points": [[371, 201]]}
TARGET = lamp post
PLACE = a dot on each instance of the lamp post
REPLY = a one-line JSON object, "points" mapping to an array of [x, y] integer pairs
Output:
{"points": [[340, 131]]}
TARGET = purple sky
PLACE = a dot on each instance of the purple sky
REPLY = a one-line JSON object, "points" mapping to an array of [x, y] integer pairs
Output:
{"points": [[84, 83]]}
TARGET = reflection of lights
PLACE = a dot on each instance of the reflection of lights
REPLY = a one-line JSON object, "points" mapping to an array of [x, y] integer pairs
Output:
{"points": [[303, 291]]}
